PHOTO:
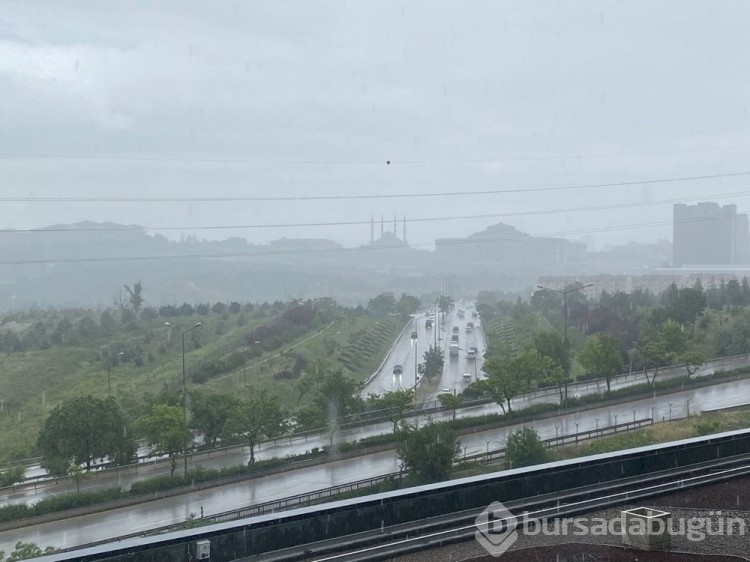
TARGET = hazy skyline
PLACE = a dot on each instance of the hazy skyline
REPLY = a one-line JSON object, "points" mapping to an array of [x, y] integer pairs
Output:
{"points": [[300, 99]]}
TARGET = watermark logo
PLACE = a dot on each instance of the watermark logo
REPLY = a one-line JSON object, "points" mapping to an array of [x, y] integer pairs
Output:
{"points": [[496, 529]]}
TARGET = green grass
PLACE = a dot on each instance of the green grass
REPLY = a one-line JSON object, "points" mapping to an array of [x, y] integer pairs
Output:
{"points": [[663, 432], [33, 382], [369, 337]]}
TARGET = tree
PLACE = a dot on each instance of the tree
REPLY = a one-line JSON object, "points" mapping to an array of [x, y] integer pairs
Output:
{"points": [[84, 429], [428, 452], [551, 344], [433, 362], [382, 305], [445, 304], [692, 361], [338, 396], [25, 551], [78, 474], [395, 405], [506, 378], [691, 303], [164, 428], [451, 401], [407, 304], [601, 356], [734, 294], [524, 448], [660, 346], [135, 296], [256, 419], [210, 413]]}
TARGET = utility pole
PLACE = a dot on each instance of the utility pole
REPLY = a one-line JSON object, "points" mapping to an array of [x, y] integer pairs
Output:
{"points": [[566, 346]]}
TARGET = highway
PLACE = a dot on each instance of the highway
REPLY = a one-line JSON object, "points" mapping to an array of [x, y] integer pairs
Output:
{"points": [[405, 348], [110, 524], [124, 477], [403, 353]]}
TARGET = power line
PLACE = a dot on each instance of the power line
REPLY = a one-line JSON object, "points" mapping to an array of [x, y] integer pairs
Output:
{"points": [[266, 253], [615, 206], [235, 199], [183, 160]]}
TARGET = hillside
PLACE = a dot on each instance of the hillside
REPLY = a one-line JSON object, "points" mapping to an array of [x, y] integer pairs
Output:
{"points": [[53, 355]]}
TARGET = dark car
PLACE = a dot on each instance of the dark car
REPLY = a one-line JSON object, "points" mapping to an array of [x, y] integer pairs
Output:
{"points": [[398, 369]]}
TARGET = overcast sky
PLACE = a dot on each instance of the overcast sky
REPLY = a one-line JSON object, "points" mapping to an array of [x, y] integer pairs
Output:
{"points": [[143, 99]]}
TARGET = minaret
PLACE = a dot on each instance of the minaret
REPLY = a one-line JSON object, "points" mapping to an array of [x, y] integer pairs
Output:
{"points": [[381, 226], [372, 228], [394, 224], [404, 229]]}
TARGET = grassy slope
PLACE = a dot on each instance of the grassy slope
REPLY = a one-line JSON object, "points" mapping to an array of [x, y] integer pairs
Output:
{"points": [[32, 383]]}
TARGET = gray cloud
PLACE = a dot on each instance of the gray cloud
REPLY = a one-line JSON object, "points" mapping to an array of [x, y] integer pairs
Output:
{"points": [[344, 82]]}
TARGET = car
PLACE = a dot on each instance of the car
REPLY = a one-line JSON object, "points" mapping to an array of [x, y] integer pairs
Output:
{"points": [[414, 335], [471, 355], [446, 391], [398, 369], [467, 377], [474, 314]]}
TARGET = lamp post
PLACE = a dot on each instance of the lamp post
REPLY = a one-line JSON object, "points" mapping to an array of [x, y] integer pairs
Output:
{"points": [[564, 293], [444, 279], [416, 361], [184, 398], [109, 368]]}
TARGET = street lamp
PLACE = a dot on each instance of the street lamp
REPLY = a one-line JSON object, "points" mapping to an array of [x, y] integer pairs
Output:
{"points": [[564, 293], [416, 360], [444, 279], [109, 368], [184, 397]]}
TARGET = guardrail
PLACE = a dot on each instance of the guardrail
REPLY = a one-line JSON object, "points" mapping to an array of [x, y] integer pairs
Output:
{"points": [[720, 361], [301, 500]]}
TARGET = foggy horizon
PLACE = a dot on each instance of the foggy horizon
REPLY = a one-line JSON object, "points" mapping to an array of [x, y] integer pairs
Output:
{"points": [[312, 99]]}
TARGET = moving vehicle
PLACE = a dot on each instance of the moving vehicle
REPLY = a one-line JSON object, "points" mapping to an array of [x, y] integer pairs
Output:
{"points": [[398, 369], [428, 324], [453, 350], [474, 314], [446, 391], [471, 355], [467, 377], [469, 327], [454, 338], [456, 329]]}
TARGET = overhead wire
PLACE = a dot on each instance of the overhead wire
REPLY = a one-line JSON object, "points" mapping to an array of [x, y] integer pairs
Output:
{"points": [[587, 208], [341, 249], [194, 160], [463, 193]]}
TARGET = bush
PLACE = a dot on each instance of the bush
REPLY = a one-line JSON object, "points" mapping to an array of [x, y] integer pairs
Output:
{"points": [[11, 476], [524, 448]]}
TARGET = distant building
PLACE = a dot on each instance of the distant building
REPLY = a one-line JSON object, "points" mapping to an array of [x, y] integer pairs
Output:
{"points": [[709, 234], [504, 245], [655, 281]]}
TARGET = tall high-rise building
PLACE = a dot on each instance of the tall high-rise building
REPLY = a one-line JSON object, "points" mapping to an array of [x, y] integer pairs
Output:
{"points": [[709, 234]]}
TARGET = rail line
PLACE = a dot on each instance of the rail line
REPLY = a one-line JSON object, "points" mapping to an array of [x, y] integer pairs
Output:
{"points": [[404, 539]]}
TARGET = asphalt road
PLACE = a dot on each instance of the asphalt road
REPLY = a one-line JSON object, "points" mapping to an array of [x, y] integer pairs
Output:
{"points": [[110, 524], [405, 349]]}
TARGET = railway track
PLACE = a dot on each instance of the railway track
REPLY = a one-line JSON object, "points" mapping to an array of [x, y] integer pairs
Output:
{"points": [[404, 539]]}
